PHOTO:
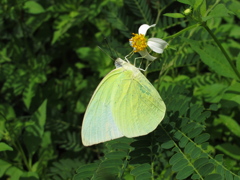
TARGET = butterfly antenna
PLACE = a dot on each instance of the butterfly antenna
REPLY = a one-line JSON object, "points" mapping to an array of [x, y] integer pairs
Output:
{"points": [[116, 53], [110, 49], [105, 52]]}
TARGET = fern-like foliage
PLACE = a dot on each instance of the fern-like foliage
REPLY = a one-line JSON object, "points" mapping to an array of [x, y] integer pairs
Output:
{"points": [[112, 165], [118, 18], [63, 169], [141, 9], [179, 144], [71, 142]]}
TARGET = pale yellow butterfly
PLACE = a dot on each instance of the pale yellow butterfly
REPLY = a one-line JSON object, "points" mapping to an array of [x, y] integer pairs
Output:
{"points": [[125, 103]]}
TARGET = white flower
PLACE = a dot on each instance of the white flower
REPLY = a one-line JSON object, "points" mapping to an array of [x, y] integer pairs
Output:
{"points": [[139, 43]]}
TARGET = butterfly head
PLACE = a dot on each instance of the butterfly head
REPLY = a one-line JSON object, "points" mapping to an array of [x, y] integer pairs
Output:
{"points": [[119, 62]]}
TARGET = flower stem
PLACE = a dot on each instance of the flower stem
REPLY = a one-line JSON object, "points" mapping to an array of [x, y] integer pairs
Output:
{"points": [[182, 31], [222, 49]]}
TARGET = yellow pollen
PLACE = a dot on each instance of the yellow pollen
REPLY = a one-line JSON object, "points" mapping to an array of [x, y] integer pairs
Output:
{"points": [[139, 42]]}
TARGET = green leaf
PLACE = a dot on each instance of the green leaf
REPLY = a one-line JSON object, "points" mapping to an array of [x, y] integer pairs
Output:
{"points": [[195, 132], [175, 158], [238, 62], [200, 162], [140, 159], [141, 169], [197, 4], [189, 2], [86, 171], [213, 177], [183, 141], [86, 53], [28, 94], [5, 147], [46, 152], [64, 168], [33, 133], [116, 155], [203, 8], [180, 165], [168, 144], [144, 176], [196, 152], [14, 173], [220, 170], [141, 9], [214, 107], [33, 7], [63, 25], [234, 6], [228, 175], [232, 94], [219, 157], [213, 57], [6, 114], [230, 123], [206, 169], [174, 15], [213, 93], [189, 148], [219, 11], [40, 117], [4, 166], [185, 172], [178, 135], [202, 138], [29, 176], [195, 176], [3, 56], [229, 149], [189, 127]]}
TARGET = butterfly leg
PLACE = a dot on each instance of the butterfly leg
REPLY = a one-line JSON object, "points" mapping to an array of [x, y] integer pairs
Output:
{"points": [[129, 55], [148, 64]]}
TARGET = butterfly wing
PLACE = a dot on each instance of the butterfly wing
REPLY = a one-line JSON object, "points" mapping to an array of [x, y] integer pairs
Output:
{"points": [[98, 123], [124, 104], [140, 108]]}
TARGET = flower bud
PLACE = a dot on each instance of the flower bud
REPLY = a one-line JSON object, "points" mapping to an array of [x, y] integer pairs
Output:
{"points": [[187, 11]]}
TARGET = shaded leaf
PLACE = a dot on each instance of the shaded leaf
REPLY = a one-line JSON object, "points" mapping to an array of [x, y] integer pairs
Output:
{"points": [[5, 147], [214, 58], [174, 15], [219, 11], [33, 7], [230, 123], [185, 172], [229, 149]]}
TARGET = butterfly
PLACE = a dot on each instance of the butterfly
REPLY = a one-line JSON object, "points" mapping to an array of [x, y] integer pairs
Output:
{"points": [[125, 103]]}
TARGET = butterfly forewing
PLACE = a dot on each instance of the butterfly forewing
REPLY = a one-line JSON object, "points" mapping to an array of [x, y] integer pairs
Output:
{"points": [[99, 122], [140, 108]]}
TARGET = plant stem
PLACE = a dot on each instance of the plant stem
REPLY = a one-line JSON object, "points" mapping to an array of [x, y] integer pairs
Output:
{"points": [[182, 31], [222, 49], [25, 160]]}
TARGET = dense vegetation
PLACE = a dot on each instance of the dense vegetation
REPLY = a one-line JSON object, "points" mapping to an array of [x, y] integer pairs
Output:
{"points": [[50, 65]]}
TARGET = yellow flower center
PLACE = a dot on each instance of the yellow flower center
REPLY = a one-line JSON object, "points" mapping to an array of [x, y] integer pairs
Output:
{"points": [[139, 42]]}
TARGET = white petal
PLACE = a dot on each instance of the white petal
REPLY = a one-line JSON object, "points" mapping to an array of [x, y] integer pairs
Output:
{"points": [[143, 28], [156, 44], [146, 55]]}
